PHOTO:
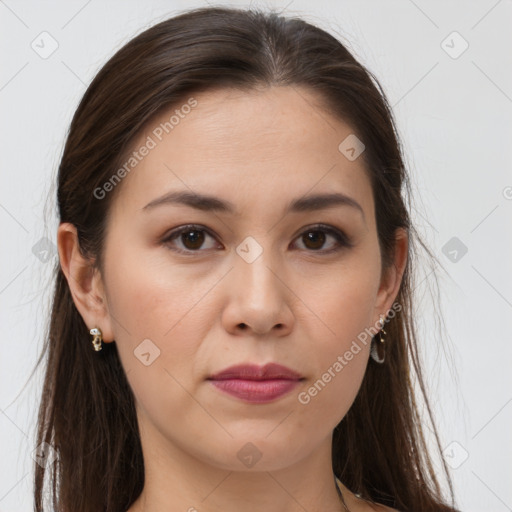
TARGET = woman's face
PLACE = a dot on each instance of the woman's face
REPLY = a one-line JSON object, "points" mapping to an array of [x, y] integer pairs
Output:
{"points": [[254, 281]]}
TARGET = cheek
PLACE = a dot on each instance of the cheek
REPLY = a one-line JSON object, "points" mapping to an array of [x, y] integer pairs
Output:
{"points": [[158, 324], [331, 393], [157, 308], [345, 304], [340, 366], [150, 295], [345, 300]]}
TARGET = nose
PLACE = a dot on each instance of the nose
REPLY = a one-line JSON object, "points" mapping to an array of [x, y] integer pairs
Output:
{"points": [[258, 299]]}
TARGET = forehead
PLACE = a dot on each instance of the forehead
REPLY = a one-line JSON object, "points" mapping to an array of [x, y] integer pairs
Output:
{"points": [[268, 145]]}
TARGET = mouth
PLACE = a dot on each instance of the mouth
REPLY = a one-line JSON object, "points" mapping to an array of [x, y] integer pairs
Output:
{"points": [[256, 384]]}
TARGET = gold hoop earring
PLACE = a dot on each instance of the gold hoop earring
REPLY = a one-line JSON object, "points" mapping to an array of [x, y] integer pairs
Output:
{"points": [[97, 338], [377, 347]]}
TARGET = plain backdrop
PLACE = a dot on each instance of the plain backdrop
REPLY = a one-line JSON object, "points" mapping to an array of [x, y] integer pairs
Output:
{"points": [[445, 67]]}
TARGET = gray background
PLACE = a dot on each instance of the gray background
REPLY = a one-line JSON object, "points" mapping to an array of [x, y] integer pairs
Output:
{"points": [[454, 111]]}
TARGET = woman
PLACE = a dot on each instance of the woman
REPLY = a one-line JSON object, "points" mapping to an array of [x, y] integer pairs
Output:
{"points": [[231, 325]]}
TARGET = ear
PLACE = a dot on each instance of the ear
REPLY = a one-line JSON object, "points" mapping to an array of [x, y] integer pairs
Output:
{"points": [[392, 278], [84, 281]]}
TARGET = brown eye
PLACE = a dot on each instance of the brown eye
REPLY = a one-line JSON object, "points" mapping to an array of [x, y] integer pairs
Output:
{"points": [[314, 239], [192, 238], [188, 239]]}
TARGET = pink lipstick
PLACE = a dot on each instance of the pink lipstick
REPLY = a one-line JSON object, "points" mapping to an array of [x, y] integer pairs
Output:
{"points": [[256, 384]]}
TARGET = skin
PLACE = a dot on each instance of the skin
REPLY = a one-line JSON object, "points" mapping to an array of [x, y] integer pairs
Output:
{"points": [[302, 307]]}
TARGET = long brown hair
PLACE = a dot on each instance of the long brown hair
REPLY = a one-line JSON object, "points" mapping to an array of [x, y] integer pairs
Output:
{"points": [[87, 413]]}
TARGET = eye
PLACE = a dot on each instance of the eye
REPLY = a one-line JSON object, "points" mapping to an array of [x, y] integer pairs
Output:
{"points": [[315, 237], [192, 238]]}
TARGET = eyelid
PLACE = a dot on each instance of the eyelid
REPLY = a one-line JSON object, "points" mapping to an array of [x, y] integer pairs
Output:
{"points": [[175, 233], [344, 241]]}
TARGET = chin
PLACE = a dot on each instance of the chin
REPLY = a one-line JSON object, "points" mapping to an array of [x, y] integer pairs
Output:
{"points": [[254, 453]]}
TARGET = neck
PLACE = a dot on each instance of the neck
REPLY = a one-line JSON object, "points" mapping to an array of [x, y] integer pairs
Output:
{"points": [[176, 480]]}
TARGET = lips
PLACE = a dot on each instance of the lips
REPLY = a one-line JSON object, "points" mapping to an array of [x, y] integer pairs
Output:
{"points": [[256, 384], [255, 372]]}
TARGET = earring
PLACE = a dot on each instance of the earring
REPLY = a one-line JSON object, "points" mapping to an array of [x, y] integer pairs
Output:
{"points": [[97, 339], [376, 346]]}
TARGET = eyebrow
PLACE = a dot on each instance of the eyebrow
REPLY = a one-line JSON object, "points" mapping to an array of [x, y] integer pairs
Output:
{"points": [[208, 203]]}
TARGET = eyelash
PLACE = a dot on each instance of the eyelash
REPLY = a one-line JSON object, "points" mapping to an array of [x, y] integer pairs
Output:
{"points": [[341, 238]]}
